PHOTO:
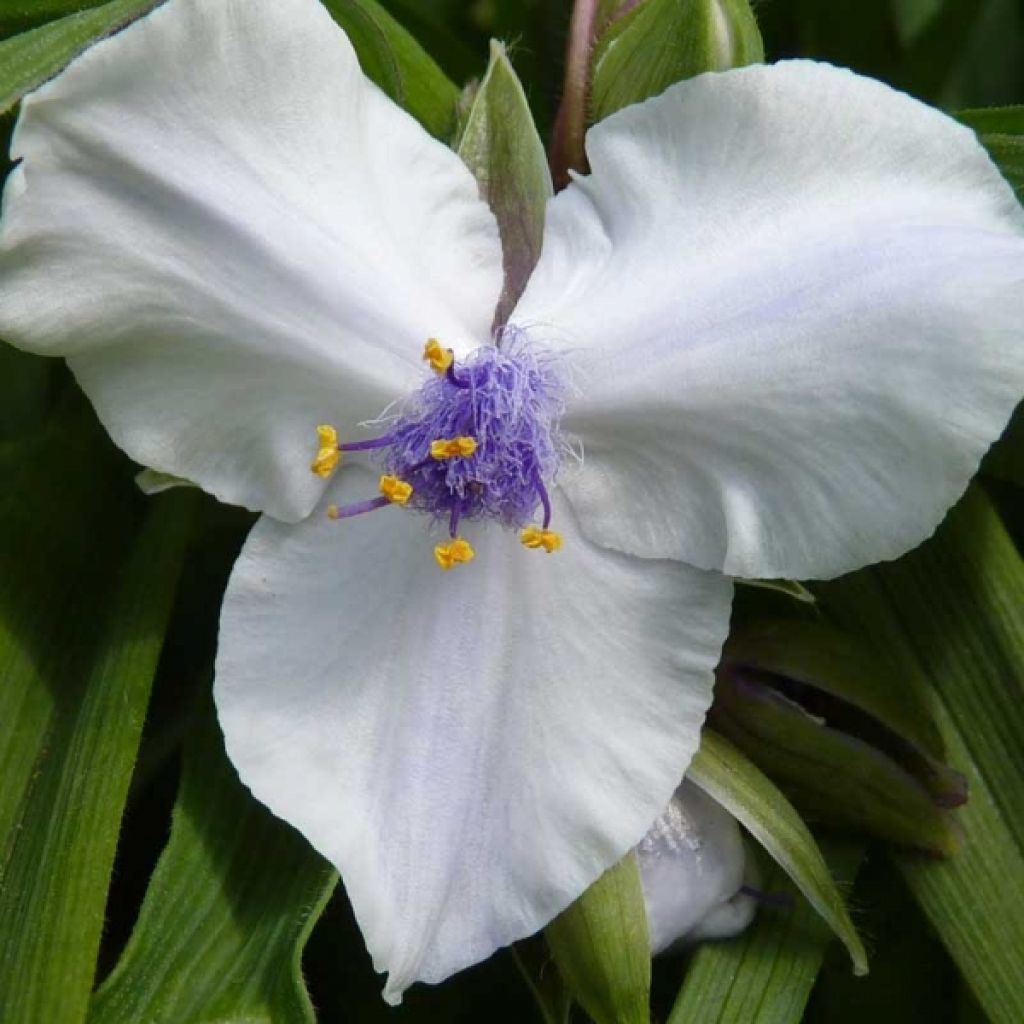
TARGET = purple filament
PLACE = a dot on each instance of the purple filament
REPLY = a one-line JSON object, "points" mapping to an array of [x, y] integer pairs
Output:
{"points": [[359, 507], [545, 501], [365, 446]]}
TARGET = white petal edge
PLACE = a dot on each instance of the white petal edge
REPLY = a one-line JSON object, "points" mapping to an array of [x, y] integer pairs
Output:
{"points": [[693, 864], [234, 235], [471, 749], [793, 298]]}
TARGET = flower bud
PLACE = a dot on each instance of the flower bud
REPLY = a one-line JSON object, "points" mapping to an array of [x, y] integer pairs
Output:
{"points": [[695, 872], [647, 46], [843, 739]]}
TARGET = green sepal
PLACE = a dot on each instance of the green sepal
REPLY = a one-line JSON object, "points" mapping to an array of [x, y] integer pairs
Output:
{"points": [[658, 42], [748, 795], [392, 58], [500, 145], [603, 949]]}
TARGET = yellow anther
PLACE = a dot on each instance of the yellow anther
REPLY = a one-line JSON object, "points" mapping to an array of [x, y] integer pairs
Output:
{"points": [[452, 447], [534, 537], [332, 511], [328, 456], [397, 491], [440, 358], [458, 551]]}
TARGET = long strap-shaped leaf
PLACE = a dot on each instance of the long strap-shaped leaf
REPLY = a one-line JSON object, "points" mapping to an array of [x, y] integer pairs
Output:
{"points": [[73, 706], [227, 913], [1001, 131], [29, 59], [952, 616]]}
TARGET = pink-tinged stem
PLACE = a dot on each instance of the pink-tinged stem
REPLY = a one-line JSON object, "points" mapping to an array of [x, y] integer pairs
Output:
{"points": [[567, 152]]}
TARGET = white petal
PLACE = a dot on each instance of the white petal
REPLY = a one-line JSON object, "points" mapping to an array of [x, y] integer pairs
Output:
{"points": [[794, 298], [236, 236], [693, 864], [471, 748]]}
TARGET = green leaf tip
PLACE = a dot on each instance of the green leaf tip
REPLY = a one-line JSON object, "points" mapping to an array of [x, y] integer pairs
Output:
{"points": [[740, 787]]}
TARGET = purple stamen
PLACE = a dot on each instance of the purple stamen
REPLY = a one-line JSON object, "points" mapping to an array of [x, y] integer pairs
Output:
{"points": [[368, 445], [359, 507], [453, 521], [508, 397], [453, 377], [545, 501]]}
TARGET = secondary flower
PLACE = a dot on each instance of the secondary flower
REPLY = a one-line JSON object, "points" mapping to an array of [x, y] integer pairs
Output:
{"points": [[780, 320]]}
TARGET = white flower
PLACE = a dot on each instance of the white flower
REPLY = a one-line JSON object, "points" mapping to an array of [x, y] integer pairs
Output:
{"points": [[783, 317]]}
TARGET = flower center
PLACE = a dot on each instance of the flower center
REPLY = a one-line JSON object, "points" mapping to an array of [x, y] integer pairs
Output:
{"points": [[479, 440]]}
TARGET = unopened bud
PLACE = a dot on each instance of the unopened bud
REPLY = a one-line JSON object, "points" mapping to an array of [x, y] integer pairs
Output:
{"points": [[695, 872]]}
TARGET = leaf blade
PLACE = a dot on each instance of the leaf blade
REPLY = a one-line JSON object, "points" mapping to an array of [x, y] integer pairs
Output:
{"points": [[29, 59], [764, 976], [57, 867], [951, 614], [227, 911]]}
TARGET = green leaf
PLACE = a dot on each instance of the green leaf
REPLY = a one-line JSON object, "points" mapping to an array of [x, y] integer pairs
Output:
{"points": [[1005, 459], [659, 42], [78, 651], [912, 976], [1001, 131], [603, 950], [765, 975], [21, 15], [228, 910], [393, 59], [24, 392], [727, 776], [28, 60], [533, 958], [952, 616], [500, 145]]}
